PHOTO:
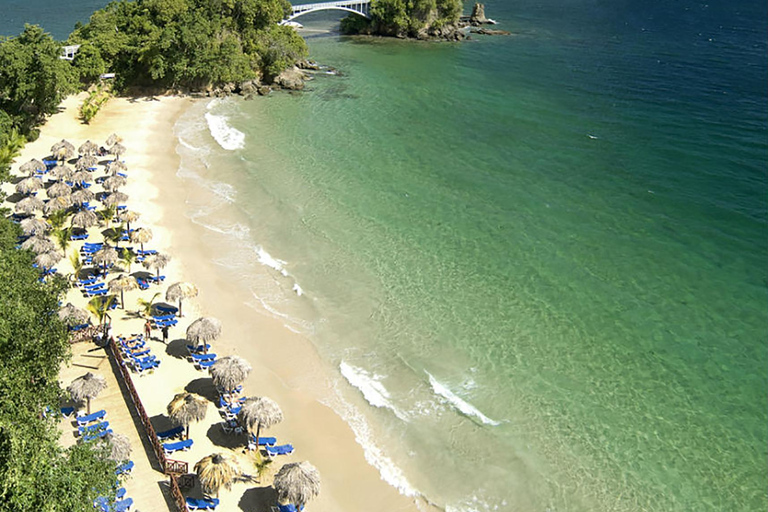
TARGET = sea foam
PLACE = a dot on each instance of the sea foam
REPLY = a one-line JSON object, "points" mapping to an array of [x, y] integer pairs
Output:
{"points": [[371, 387], [228, 137], [464, 407]]}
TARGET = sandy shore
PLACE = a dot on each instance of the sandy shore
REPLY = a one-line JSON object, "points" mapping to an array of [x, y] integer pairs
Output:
{"points": [[281, 359]]}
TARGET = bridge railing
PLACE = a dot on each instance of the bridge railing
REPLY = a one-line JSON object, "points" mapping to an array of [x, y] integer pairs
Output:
{"points": [[322, 5]]}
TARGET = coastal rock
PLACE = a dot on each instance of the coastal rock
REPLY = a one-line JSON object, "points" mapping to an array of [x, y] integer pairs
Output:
{"points": [[308, 64], [478, 15], [228, 88], [249, 87], [291, 79], [491, 32], [264, 90]]}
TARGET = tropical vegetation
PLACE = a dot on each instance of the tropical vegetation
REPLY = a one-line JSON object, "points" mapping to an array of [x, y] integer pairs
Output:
{"points": [[404, 18]]}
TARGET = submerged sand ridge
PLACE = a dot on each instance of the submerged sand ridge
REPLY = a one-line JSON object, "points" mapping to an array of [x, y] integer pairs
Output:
{"points": [[286, 367]]}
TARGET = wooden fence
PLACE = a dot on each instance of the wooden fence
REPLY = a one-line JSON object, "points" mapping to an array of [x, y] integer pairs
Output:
{"points": [[86, 334], [171, 467]]}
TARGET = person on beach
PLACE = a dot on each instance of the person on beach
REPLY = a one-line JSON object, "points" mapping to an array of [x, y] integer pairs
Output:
{"points": [[165, 334], [148, 329]]}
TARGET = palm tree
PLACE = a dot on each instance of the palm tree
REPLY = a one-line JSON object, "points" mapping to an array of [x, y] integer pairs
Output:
{"points": [[127, 257], [14, 142], [107, 214], [77, 265], [100, 307], [115, 234], [62, 236], [56, 219], [145, 306]]}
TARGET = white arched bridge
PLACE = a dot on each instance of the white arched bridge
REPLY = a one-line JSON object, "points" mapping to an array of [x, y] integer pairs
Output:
{"points": [[354, 6]]}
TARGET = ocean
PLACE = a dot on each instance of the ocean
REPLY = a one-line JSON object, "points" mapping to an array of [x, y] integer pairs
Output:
{"points": [[536, 264]]}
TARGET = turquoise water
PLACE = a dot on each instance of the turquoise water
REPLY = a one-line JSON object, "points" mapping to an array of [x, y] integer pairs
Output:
{"points": [[536, 264]]}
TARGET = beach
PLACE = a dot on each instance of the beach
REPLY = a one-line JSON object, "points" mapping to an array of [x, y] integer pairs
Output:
{"points": [[284, 363]]}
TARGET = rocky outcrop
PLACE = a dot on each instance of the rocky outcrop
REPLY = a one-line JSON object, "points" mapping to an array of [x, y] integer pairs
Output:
{"points": [[491, 32], [291, 79], [478, 15]]}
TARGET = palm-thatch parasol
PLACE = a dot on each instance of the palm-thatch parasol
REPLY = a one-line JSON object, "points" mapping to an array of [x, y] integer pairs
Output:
{"points": [[128, 216], [105, 257], [56, 204], [62, 172], [58, 189], [297, 483], [113, 183], [179, 291], [47, 260], [28, 185], [38, 244], [186, 408], [123, 284], [82, 195], [80, 177], [63, 150], [85, 163], [34, 226], [112, 139], [72, 315], [116, 166], [141, 236], [228, 372], [156, 262], [117, 149], [86, 387], [216, 471], [28, 205], [119, 446], [84, 219], [203, 330], [259, 412], [114, 199], [88, 148], [32, 166]]}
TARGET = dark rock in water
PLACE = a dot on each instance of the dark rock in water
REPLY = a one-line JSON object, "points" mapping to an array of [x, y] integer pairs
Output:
{"points": [[264, 90], [491, 32], [478, 15], [291, 79], [308, 64]]}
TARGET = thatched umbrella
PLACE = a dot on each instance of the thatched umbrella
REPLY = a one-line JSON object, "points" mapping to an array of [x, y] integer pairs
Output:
{"points": [[116, 166], [63, 150], [141, 236], [81, 177], [28, 185], [228, 372], [32, 166], [117, 149], [216, 471], [297, 483], [84, 219], [59, 189], [119, 446], [56, 204], [203, 330], [115, 199], [259, 412], [186, 408], [123, 284], [156, 262], [112, 139], [28, 205], [34, 226], [105, 257], [62, 172], [72, 315], [88, 148], [128, 216], [179, 291], [113, 183], [47, 260], [82, 195], [38, 244], [86, 387], [85, 163]]}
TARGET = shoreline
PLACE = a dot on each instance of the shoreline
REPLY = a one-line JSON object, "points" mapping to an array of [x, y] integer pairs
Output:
{"points": [[281, 359]]}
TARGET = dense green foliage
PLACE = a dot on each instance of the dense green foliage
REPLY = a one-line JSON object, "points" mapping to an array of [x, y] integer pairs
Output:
{"points": [[35, 472], [187, 43], [404, 18]]}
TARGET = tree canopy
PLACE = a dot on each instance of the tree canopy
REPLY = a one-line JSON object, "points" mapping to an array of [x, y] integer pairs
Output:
{"points": [[404, 18]]}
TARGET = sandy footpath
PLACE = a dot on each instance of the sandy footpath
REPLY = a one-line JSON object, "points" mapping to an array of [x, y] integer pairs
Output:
{"points": [[281, 360]]}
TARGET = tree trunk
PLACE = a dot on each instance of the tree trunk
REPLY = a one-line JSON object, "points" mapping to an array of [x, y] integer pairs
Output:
{"points": [[122, 299], [187, 432], [258, 429], [88, 404], [180, 308]]}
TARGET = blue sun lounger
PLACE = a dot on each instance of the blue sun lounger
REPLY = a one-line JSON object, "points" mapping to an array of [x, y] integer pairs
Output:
{"points": [[283, 449], [198, 349], [263, 441], [202, 504], [204, 365], [201, 357], [67, 411], [170, 448], [124, 468], [170, 434], [289, 507], [94, 416], [96, 435], [90, 429]]}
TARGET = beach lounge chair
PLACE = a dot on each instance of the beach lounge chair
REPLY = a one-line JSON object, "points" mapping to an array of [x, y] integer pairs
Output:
{"points": [[202, 504], [98, 292], [142, 367], [78, 327], [199, 349], [204, 365], [96, 435], [121, 492], [67, 411], [141, 351], [283, 449], [202, 357], [94, 416], [156, 279], [170, 434], [90, 429], [123, 505], [184, 445], [289, 507], [124, 468], [263, 441]]}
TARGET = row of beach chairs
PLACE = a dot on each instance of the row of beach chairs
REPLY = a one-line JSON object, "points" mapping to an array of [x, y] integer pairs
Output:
{"points": [[137, 354]]}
